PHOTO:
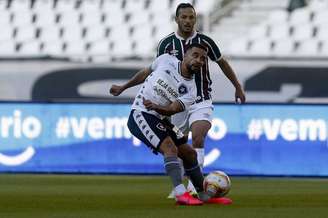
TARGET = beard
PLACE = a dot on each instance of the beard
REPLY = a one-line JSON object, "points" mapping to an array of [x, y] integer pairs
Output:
{"points": [[192, 69]]}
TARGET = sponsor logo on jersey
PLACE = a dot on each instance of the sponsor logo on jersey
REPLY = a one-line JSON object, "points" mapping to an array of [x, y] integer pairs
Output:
{"points": [[174, 52], [182, 89]]}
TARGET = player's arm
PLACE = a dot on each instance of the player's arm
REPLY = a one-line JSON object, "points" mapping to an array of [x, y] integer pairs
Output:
{"points": [[173, 108], [137, 79], [231, 75]]}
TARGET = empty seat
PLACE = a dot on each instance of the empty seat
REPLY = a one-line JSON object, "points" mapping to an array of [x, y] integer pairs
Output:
{"points": [[258, 32], [31, 48], [164, 30], [69, 19], [65, 6], [278, 16], [99, 48], [49, 33], [139, 18], [90, 6], [74, 48], [20, 5], [45, 19], [6, 33], [122, 49], [25, 33], [40, 6], [145, 48], [120, 33], [4, 18], [53, 48], [308, 48], [238, 47], [320, 18], [142, 32], [279, 31], [72, 33], [112, 6], [94, 33], [114, 19], [7, 48], [91, 19], [134, 6], [283, 48], [158, 6], [300, 16], [322, 33], [22, 19], [302, 32], [324, 49], [3, 5], [260, 48]]}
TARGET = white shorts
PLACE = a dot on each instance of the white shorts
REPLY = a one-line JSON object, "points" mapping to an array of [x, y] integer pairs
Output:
{"points": [[198, 111]]}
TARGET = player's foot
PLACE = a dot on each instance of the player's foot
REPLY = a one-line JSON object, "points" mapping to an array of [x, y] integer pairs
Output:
{"points": [[171, 195], [222, 200], [187, 199], [191, 189]]}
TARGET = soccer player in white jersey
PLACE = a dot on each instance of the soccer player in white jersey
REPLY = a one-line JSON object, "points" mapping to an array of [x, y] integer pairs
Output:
{"points": [[198, 118], [168, 90]]}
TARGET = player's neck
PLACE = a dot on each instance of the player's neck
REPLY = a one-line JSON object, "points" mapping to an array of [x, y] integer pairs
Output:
{"points": [[185, 35]]}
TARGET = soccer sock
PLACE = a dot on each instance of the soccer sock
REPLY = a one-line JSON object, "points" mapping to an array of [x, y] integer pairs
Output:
{"points": [[195, 175], [200, 156], [172, 167], [181, 168]]}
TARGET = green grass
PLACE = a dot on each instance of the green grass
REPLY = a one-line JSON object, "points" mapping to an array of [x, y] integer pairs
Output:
{"points": [[80, 196]]}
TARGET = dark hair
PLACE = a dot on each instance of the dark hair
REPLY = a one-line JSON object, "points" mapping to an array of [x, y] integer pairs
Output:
{"points": [[183, 5], [197, 45]]}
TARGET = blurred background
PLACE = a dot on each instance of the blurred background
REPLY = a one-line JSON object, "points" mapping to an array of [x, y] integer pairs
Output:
{"points": [[73, 50], [58, 59]]}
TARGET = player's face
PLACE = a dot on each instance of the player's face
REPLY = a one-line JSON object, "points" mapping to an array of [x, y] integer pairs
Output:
{"points": [[186, 20], [195, 59]]}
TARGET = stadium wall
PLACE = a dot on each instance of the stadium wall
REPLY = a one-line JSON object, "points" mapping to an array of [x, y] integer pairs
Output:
{"points": [[253, 139], [279, 81]]}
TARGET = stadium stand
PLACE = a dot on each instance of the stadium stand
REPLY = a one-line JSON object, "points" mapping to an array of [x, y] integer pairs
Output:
{"points": [[121, 29]]}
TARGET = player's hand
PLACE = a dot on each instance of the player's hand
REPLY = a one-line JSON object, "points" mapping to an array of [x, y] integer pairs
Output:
{"points": [[116, 90], [240, 96], [148, 104]]}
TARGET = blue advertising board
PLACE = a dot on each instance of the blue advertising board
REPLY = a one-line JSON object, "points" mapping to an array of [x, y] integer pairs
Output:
{"points": [[94, 138]]}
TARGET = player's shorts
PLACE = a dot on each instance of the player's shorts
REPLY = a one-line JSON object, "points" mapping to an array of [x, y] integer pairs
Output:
{"points": [[198, 111], [152, 131]]}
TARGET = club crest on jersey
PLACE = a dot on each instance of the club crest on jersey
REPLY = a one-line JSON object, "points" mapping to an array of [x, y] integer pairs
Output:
{"points": [[182, 89], [160, 126], [174, 52]]}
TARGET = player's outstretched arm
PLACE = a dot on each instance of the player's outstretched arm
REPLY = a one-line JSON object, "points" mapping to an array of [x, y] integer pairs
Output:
{"points": [[230, 74], [173, 108], [137, 79]]}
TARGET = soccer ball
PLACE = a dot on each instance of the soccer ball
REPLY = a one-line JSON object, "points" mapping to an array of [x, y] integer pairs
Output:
{"points": [[217, 184]]}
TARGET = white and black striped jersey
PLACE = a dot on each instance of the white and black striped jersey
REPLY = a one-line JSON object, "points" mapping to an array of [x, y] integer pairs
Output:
{"points": [[165, 85], [175, 45]]}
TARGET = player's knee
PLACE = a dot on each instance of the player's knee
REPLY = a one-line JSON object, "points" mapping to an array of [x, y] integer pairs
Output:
{"points": [[198, 141], [168, 148]]}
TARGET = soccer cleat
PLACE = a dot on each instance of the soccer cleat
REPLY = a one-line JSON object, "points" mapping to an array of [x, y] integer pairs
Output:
{"points": [[224, 201], [171, 195], [187, 199]]}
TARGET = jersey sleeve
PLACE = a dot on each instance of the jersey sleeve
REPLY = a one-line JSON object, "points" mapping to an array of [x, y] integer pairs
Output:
{"points": [[162, 47], [157, 62], [214, 52]]}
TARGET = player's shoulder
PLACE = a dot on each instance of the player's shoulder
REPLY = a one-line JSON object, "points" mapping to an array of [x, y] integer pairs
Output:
{"points": [[203, 36], [167, 57], [166, 39]]}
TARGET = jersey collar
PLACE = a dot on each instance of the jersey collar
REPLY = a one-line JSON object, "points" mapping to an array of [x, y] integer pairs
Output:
{"points": [[188, 39]]}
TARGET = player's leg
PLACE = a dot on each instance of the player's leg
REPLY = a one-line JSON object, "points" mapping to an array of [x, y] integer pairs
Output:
{"points": [[151, 131], [200, 124]]}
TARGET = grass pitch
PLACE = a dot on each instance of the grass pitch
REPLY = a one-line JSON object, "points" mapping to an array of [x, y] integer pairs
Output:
{"points": [[91, 196]]}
